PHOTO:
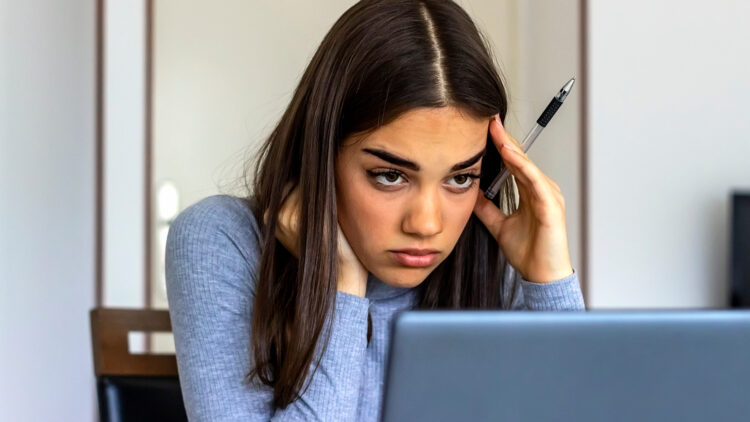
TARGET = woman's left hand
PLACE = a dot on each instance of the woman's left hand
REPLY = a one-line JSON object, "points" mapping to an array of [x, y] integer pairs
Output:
{"points": [[533, 239]]}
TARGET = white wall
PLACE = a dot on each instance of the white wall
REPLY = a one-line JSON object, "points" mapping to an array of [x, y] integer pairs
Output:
{"points": [[124, 151], [669, 139], [223, 74], [47, 81]]}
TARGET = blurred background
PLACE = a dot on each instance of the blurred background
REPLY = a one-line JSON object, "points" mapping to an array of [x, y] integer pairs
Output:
{"points": [[115, 115]]}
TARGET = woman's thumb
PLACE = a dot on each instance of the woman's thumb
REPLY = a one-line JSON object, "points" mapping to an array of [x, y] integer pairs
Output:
{"points": [[490, 215]]}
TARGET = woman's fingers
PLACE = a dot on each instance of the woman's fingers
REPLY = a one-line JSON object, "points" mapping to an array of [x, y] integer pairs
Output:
{"points": [[526, 172], [526, 161], [501, 137], [503, 140], [530, 177], [535, 189]]}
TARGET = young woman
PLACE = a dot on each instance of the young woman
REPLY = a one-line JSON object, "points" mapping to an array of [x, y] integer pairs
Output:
{"points": [[365, 201]]}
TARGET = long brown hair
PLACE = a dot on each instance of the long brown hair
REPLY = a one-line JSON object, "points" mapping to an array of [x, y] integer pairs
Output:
{"points": [[379, 60]]}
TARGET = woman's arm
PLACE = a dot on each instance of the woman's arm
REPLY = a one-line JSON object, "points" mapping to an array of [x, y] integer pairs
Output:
{"points": [[560, 295], [533, 237], [211, 257]]}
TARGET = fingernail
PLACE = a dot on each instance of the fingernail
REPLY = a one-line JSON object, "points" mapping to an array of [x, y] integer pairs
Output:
{"points": [[497, 119]]}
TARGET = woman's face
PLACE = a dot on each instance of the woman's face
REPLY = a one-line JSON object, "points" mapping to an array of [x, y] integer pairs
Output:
{"points": [[411, 184]]}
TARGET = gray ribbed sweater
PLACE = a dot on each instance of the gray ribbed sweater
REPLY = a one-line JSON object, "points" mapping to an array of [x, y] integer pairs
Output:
{"points": [[211, 257]]}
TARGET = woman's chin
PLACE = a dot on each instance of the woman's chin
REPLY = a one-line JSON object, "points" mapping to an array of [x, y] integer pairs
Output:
{"points": [[402, 277]]}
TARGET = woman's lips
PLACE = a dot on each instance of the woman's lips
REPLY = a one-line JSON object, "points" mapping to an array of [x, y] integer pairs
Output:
{"points": [[424, 259]]}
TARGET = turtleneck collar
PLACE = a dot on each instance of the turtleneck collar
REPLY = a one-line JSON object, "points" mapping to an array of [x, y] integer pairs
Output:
{"points": [[377, 289]]}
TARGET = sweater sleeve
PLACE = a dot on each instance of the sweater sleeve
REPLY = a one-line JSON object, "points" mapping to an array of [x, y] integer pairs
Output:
{"points": [[559, 295], [211, 259]]}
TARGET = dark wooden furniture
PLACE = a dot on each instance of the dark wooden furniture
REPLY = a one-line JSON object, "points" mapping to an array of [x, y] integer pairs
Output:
{"points": [[138, 387]]}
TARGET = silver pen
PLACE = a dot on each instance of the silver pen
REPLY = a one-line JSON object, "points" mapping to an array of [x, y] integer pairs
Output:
{"points": [[541, 123]]}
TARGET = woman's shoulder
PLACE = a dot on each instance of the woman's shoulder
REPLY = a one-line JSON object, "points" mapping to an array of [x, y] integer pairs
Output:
{"points": [[222, 206], [217, 235]]}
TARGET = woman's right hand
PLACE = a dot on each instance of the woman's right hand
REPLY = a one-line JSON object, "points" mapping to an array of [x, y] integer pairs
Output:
{"points": [[352, 275]]}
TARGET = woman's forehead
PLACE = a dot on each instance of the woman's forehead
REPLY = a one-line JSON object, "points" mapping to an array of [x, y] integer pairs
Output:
{"points": [[429, 122], [430, 134]]}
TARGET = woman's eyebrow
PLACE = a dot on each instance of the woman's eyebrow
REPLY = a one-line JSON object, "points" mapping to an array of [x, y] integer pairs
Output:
{"points": [[402, 162], [468, 163]]}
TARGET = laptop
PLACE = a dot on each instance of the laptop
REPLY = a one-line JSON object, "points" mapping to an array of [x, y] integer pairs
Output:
{"points": [[687, 365]]}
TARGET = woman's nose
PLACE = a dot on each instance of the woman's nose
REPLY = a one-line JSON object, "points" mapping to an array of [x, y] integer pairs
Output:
{"points": [[424, 217]]}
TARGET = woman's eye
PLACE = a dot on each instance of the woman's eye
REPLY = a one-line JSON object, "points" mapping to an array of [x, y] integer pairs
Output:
{"points": [[388, 178], [464, 180], [395, 178]]}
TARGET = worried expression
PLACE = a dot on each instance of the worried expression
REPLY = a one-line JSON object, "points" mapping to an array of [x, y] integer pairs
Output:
{"points": [[406, 191]]}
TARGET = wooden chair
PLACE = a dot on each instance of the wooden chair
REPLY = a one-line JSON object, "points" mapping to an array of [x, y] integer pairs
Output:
{"points": [[137, 387]]}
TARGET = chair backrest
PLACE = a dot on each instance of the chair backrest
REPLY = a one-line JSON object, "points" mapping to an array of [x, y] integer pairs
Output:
{"points": [[142, 387]]}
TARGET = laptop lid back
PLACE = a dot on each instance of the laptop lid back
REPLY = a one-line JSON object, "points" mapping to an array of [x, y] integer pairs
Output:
{"points": [[556, 366]]}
